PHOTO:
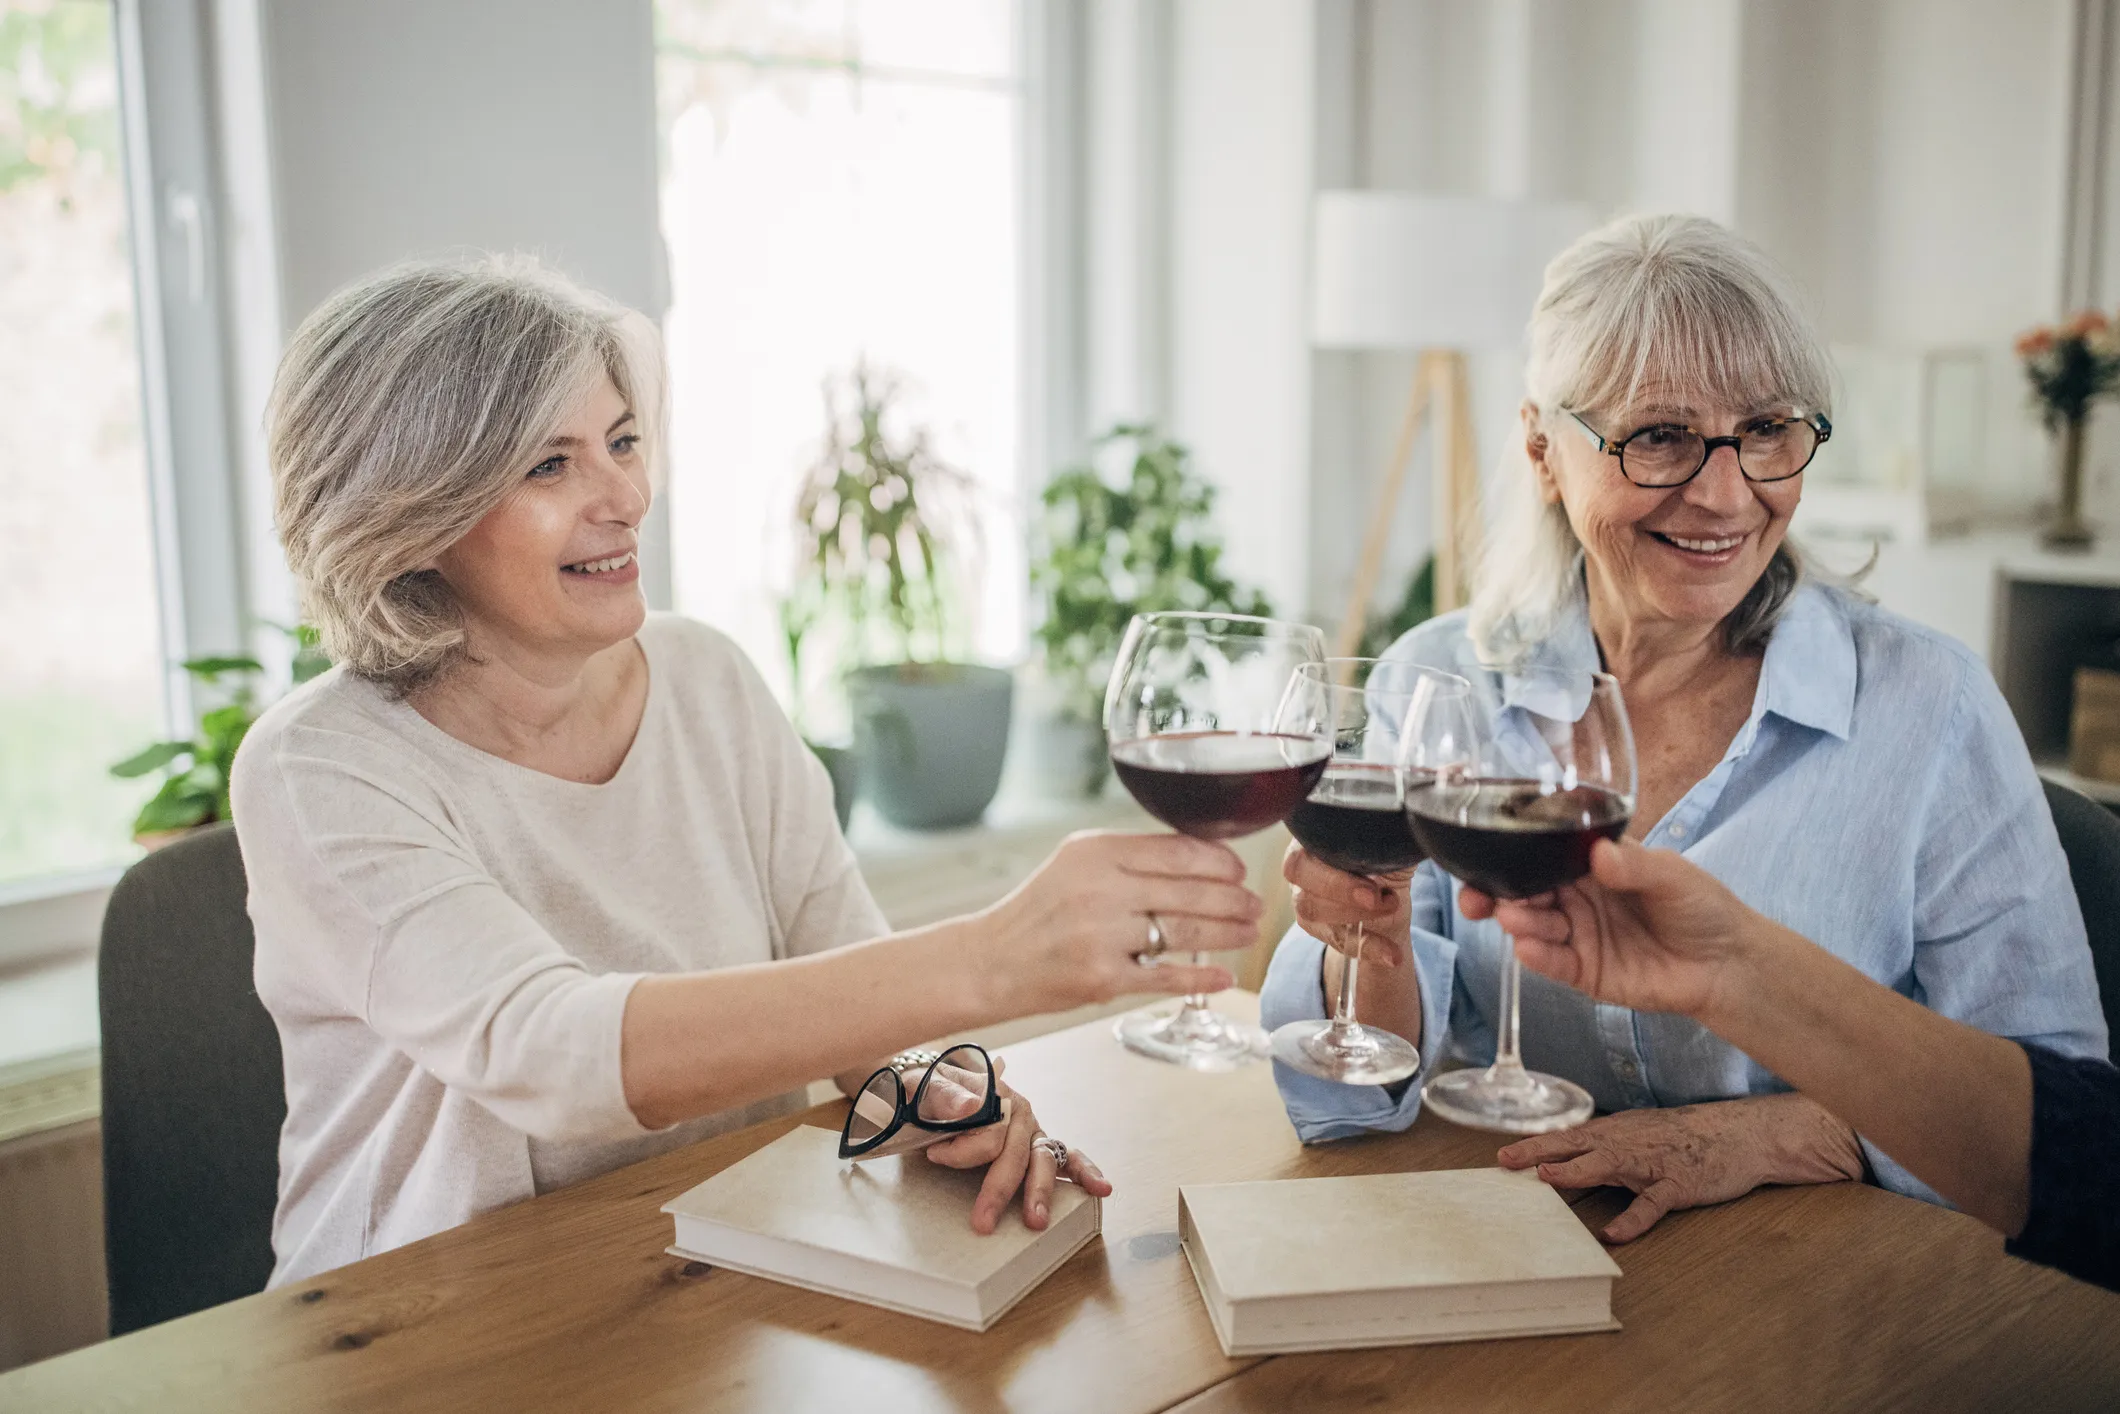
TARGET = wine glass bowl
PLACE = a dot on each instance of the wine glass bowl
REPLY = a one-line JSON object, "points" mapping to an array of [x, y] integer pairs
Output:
{"points": [[1546, 770], [1355, 820], [1192, 715]]}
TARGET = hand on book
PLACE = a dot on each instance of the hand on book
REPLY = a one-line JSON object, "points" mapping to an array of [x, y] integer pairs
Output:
{"points": [[1688, 1156], [1012, 1164]]}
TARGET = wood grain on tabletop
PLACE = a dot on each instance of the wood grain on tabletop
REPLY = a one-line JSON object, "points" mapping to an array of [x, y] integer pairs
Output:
{"points": [[1797, 1298], [568, 1301]]}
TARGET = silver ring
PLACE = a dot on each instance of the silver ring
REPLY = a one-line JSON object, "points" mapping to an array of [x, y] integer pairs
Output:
{"points": [[1051, 1146], [1157, 944]]}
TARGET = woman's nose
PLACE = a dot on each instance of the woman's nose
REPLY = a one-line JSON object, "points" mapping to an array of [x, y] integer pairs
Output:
{"points": [[621, 496], [1721, 485]]}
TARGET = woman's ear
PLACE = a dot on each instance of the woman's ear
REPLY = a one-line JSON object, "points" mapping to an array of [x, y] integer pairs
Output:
{"points": [[1536, 448]]}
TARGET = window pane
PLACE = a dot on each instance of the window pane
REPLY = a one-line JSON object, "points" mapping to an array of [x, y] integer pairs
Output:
{"points": [[80, 678], [817, 214]]}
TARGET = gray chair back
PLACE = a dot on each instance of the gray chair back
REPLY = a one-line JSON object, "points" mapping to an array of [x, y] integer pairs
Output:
{"points": [[2090, 837], [193, 1097]]}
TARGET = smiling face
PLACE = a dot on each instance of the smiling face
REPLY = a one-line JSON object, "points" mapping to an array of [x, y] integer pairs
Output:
{"points": [[1684, 554], [552, 571]]}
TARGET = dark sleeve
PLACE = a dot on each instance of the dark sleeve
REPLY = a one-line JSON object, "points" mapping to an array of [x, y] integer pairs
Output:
{"points": [[2074, 1219]]}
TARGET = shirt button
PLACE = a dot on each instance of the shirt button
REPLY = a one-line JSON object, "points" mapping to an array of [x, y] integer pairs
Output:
{"points": [[1678, 832], [1628, 1068]]}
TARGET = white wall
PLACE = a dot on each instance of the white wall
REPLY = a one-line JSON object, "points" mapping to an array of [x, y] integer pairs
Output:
{"points": [[1242, 115], [1903, 158], [401, 128], [407, 127]]}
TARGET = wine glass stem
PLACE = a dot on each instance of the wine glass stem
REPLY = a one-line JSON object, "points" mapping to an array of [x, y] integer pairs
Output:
{"points": [[1196, 1001], [1508, 1057], [1343, 1022]]}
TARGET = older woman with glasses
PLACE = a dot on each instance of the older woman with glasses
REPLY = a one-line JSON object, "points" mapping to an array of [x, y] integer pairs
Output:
{"points": [[1850, 775], [543, 883]]}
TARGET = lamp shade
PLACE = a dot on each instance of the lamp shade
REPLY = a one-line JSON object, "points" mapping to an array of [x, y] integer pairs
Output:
{"points": [[1392, 270]]}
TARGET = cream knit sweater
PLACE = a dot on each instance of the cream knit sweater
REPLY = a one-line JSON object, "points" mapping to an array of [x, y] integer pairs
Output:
{"points": [[446, 940]]}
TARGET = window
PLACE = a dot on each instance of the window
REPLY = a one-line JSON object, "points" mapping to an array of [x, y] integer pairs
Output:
{"points": [[81, 676], [840, 183]]}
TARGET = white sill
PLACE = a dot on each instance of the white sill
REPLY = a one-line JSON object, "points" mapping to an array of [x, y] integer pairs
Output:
{"points": [[52, 918]]}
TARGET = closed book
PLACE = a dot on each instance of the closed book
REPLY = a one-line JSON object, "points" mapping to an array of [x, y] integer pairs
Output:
{"points": [[893, 1232], [1391, 1259]]}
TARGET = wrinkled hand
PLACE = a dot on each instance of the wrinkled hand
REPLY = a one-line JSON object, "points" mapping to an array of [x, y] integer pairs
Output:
{"points": [[1067, 935], [1647, 928], [1329, 902], [1004, 1150], [1692, 1155]]}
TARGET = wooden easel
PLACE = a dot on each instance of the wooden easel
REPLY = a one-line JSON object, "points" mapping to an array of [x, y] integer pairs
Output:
{"points": [[1439, 384]]}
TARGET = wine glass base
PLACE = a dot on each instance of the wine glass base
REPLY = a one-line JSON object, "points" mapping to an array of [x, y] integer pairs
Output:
{"points": [[1193, 1037], [1513, 1101], [1362, 1056]]}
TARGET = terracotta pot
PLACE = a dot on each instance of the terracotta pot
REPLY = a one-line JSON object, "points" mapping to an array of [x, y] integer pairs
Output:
{"points": [[153, 840]]}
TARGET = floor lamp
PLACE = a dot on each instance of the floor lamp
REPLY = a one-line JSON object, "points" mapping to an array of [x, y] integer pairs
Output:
{"points": [[1439, 276]]}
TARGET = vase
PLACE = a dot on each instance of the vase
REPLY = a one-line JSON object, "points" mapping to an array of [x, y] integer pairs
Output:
{"points": [[2068, 531], [844, 767], [931, 738]]}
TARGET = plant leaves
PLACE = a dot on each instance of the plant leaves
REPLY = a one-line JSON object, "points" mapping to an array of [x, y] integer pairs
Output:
{"points": [[211, 668], [158, 755], [173, 808]]}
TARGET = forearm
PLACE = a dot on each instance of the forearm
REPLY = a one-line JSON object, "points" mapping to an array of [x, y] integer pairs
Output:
{"points": [[698, 1042], [1952, 1104]]}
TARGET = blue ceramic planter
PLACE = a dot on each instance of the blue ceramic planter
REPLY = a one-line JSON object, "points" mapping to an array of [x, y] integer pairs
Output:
{"points": [[931, 738]]}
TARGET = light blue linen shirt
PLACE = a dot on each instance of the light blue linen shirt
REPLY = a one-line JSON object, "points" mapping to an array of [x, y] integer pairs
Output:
{"points": [[1878, 800]]}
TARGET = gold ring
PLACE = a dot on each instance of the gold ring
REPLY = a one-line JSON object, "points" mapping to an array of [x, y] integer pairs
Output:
{"points": [[1157, 943]]}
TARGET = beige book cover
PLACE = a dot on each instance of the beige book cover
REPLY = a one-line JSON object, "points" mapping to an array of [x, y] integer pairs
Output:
{"points": [[893, 1232], [1391, 1259]]}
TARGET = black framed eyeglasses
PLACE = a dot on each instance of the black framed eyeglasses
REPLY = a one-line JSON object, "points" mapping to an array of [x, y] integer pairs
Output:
{"points": [[953, 1092], [1667, 454]]}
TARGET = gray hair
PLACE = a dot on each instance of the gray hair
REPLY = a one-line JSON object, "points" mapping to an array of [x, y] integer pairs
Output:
{"points": [[406, 407], [1678, 298]]}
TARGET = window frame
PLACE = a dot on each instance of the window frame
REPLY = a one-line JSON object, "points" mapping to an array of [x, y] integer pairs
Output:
{"points": [[175, 172]]}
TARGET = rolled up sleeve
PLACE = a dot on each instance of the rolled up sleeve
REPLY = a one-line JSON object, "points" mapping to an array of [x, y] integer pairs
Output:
{"points": [[1323, 1110]]}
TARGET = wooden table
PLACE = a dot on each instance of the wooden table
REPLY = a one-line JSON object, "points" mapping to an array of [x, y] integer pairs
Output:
{"points": [[1841, 1297]]}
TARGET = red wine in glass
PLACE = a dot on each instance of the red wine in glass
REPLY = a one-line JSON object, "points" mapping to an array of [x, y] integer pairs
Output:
{"points": [[1514, 838], [1220, 785], [1354, 821], [1193, 717], [1523, 792]]}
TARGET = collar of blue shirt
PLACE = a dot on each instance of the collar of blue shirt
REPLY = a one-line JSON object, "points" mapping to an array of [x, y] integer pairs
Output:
{"points": [[1808, 677]]}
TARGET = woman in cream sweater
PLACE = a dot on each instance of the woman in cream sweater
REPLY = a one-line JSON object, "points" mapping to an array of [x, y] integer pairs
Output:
{"points": [[544, 883]]}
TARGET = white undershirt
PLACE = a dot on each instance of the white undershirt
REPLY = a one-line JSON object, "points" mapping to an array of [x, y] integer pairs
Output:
{"points": [[446, 939]]}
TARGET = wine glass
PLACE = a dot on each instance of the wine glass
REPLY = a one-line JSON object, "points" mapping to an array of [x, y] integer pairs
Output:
{"points": [[1192, 715], [1513, 809], [1355, 820]]}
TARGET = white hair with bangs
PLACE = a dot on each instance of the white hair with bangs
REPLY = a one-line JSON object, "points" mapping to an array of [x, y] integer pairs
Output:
{"points": [[1666, 302]]}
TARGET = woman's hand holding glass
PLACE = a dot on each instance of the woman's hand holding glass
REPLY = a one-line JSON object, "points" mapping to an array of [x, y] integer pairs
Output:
{"points": [[1331, 903], [1073, 933], [1644, 929], [1647, 929]]}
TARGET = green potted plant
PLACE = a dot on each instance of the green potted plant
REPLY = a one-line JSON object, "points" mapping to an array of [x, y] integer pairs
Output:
{"points": [[884, 530], [1106, 553], [194, 788]]}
